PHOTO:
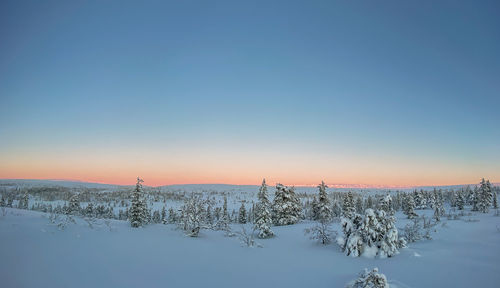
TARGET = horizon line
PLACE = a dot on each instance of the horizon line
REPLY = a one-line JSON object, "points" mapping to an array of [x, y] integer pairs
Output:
{"points": [[330, 185]]}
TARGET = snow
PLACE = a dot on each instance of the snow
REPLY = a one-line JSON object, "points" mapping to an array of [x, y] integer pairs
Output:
{"points": [[36, 254]]}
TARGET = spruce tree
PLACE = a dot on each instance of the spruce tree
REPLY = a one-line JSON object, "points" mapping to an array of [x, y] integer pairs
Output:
{"points": [[460, 200], [223, 222], [323, 210], [286, 206], [495, 200], [386, 204], [348, 209], [263, 217], [485, 196], [74, 205], [242, 215], [163, 215], [23, 203], [410, 207], [137, 215]]}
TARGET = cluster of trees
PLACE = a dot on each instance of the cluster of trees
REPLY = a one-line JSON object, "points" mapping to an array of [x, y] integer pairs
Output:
{"points": [[286, 208]]}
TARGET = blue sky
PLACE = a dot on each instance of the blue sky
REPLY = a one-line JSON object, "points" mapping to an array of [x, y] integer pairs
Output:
{"points": [[348, 91]]}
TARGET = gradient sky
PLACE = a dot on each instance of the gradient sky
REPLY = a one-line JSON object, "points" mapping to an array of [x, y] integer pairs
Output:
{"points": [[366, 92]]}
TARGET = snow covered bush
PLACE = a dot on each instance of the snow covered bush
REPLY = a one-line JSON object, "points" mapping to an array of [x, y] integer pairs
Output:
{"points": [[247, 239], [372, 235], [321, 232], [369, 279]]}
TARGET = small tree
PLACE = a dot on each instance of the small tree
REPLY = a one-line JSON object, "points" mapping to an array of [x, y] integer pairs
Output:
{"points": [[485, 196], [242, 215], [223, 222], [263, 218], [286, 206], [74, 205], [192, 215], [460, 200], [410, 207], [323, 210], [348, 209], [23, 203], [137, 213], [163, 215]]}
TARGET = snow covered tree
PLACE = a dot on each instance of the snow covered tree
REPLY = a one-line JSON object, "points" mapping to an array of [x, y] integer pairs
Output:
{"points": [[348, 209], [89, 210], [209, 219], [460, 200], [163, 215], [286, 206], [242, 215], [420, 200], [138, 208], [495, 200], [485, 196], [386, 204], [475, 199], [374, 234], [23, 203], [314, 209], [369, 279], [323, 209], [263, 218], [172, 216], [223, 222], [74, 205], [359, 205], [409, 207], [437, 213], [192, 215], [156, 217]]}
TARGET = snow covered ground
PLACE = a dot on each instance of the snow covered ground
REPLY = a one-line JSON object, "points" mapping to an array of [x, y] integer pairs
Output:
{"points": [[35, 253]]}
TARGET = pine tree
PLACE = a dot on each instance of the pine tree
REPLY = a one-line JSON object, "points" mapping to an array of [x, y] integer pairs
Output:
{"points": [[156, 217], [485, 196], [209, 219], [263, 217], [172, 217], [460, 200], [223, 222], [374, 234], [410, 207], [242, 215], [23, 203], [74, 205], [89, 210], [314, 205], [418, 197], [163, 215], [348, 210], [475, 199], [137, 215], [323, 209], [495, 200], [386, 204], [286, 206]]}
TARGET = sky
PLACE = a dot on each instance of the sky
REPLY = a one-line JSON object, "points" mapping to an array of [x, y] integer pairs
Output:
{"points": [[349, 92]]}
